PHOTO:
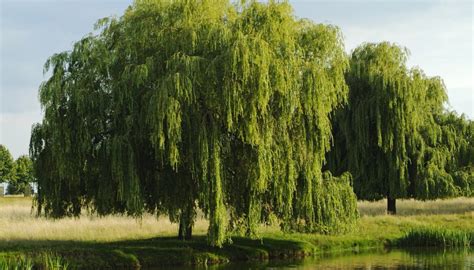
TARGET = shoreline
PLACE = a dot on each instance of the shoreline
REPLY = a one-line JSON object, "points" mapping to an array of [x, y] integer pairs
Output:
{"points": [[374, 233]]}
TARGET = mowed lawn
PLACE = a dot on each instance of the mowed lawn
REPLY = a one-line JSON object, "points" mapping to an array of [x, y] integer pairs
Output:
{"points": [[18, 221]]}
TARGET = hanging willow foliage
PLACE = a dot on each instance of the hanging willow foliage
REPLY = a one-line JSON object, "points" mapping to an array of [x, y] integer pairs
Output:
{"points": [[394, 136], [184, 104], [448, 159]]}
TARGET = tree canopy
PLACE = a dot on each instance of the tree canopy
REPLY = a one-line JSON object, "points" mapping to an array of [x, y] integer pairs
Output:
{"points": [[394, 135], [449, 159], [6, 164], [179, 105], [21, 176]]}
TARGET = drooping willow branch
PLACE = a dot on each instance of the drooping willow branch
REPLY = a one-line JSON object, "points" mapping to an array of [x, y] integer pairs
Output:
{"points": [[185, 104]]}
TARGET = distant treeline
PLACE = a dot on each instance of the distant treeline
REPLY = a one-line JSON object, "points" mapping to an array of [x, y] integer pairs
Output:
{"points": [[17, 173]]}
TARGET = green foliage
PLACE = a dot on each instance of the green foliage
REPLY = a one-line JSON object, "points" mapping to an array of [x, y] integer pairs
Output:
{"points": [[184, 104], [21, 176], [394, 135], [18, 174], [436, 237], [53, 261], [6, 164], [335, 211], [450, 155], [16, 263], [45, 260]]}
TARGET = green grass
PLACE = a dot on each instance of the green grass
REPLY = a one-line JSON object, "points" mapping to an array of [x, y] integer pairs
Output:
{"points": [[413, 207], [121, 242], [16, 263], [160, 251], [21, 261], [436, 237]]}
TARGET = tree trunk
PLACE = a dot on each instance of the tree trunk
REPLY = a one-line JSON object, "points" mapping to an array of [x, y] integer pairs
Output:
{"points": [[391, 206], [181, 229], [186, 223], [185, 231], [189, 233]]}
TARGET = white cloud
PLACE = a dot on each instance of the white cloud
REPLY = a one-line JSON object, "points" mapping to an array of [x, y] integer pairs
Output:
{"points": [[440, 42]]}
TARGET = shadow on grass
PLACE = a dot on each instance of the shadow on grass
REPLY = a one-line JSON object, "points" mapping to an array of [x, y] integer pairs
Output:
{"points": [[156, 252]]}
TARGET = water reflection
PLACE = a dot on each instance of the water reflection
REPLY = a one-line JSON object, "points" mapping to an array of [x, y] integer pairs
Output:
{"points": [[414, 259]]}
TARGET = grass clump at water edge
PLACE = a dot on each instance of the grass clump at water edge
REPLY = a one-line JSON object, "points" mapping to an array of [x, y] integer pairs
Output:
{"points": [[44, 260], [436, 237]]}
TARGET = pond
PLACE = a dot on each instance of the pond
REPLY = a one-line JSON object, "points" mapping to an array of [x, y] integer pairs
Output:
{"points": [[412, 259]]}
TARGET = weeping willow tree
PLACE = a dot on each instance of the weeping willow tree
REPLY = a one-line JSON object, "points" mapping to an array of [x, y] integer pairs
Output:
{"points": [[462, 169], [450, 156], [392, 135], [179, 105]]}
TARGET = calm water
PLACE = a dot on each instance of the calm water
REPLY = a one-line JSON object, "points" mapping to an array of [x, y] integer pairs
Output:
{"points": [[394, 259]]}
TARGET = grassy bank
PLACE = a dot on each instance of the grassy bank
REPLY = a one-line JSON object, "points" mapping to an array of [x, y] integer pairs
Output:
{"points": [[121, 242], [436, 237], [414, 207]]}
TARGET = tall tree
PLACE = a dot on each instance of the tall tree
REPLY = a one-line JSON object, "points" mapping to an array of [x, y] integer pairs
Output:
{"points": [[21, 176], [185, 104], [382, 137], [6, 164], [448, 159]]}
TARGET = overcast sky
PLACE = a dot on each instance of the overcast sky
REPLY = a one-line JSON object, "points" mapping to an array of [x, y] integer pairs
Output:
{"points": [[438, 33]]}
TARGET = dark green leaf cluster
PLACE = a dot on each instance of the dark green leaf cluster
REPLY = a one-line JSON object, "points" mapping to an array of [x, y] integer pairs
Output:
{"points": [[448, 159], [17, 173], [395, 136], [6, 164], [179, 105], [21, 176]]}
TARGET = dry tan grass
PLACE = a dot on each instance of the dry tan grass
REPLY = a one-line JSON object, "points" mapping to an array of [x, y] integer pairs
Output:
{"points": [[413, 207], [17, 222]]}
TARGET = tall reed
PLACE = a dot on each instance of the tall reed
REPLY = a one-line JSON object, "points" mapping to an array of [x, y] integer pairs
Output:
{"points": [[436, 237], [44, 261]]}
